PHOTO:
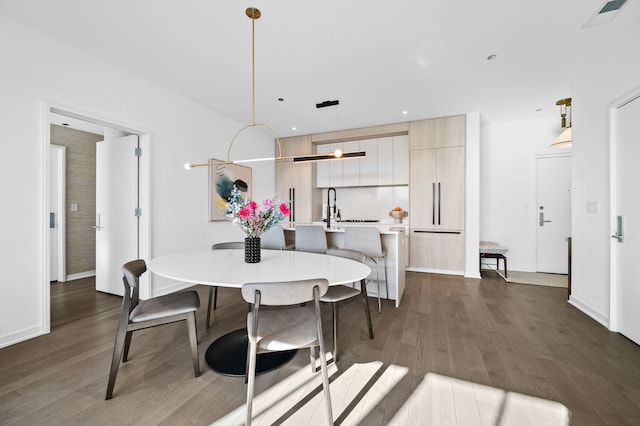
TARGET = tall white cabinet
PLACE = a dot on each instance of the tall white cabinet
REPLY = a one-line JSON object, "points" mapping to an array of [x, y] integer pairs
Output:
{"points": [[437, 194]]}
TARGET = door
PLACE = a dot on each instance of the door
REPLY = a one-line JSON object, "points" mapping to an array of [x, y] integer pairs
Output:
{"points": [[627, 206], [57, 168], [116, 210], [553, 213]]}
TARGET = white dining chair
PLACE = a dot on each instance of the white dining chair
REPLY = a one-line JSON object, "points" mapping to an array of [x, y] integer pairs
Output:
{"points": [[294, 324], [366, 239]]}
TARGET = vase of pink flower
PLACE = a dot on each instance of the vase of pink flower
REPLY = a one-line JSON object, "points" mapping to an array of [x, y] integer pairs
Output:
{"points": [[254, 220]]}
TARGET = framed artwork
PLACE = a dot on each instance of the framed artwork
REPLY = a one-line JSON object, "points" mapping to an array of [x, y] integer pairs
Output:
{"points": [[222, 178]]}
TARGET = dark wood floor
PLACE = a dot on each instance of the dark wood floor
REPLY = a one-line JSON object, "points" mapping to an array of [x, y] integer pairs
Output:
{"points": [[456, 352]]}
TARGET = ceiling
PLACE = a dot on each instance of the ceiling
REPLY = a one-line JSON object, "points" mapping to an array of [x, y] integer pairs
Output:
{"points": [[379, 58]]}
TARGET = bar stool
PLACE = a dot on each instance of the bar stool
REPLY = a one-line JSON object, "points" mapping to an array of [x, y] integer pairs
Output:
{"points": [[366, 240]]}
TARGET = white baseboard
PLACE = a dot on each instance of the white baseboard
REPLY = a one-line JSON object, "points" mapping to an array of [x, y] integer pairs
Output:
{"points": [[80, 275], [599, 317], [20, 336], [434, 271]]}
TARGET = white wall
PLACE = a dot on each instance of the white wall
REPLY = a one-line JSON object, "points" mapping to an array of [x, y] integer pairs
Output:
{"points": [[612, 74], [36, 68], [507, 184]]}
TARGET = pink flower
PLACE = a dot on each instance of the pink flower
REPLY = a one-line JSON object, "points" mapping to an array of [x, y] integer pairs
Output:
{"points": [[253, 205], [244, 212], [268, 202], [284, 209]]}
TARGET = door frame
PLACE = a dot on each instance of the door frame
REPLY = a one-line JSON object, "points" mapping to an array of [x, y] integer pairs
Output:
{"points": [[613, 258], [60, 203], [534, 204], [144, 224]]}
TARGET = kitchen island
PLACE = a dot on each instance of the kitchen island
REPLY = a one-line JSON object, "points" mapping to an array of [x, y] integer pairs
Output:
{"points": [[393, 238]]}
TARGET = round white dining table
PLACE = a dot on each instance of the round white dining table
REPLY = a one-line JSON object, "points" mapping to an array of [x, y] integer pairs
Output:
{"points": [[227, 268]]}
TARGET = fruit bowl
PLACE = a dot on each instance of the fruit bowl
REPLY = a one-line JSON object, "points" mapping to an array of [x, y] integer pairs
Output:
{"points": [[397, 215]]}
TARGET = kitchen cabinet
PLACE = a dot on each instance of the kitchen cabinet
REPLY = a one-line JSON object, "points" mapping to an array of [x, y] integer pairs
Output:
{"points": [[401, 160], [436, 189], [437, 251], [386, 163], [437, 194], [295, 182], [437, 132]]}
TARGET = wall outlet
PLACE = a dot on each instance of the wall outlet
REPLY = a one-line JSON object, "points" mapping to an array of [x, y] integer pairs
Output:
{"points": [[74, 207], [593, 207]]}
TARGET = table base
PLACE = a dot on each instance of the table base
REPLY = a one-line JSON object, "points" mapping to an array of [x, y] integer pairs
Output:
{"points": [[227, 355]]}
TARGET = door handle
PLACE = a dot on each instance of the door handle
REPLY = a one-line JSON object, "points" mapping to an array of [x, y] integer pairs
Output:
{"points": [[541, 221], [52, 220], [619, 235], [97, 226]]}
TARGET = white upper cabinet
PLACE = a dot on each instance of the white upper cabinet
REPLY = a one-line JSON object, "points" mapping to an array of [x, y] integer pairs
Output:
{"points": [[401, 160], [386, 163], [369, 164], [350, 168]]}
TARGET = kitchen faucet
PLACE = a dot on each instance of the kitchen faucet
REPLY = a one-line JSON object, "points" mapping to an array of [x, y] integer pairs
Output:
{"points": [[329, 206]]}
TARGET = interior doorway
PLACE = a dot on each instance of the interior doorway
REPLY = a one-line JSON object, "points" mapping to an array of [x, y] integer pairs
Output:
{"points": [[142, 227]]}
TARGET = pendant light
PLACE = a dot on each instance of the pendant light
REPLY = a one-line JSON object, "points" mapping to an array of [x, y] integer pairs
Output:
{"points": [[253, 13], [564, 140]]}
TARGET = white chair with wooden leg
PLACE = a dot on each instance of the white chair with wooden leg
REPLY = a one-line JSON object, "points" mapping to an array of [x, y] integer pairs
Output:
{"points": [[213, 290], [295, 324], [139, 314], [366, 239], [338, 294]]}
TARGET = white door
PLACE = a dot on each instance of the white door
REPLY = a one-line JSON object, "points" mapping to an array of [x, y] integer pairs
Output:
{"points": [[57, 168], [627, 205], [553, 213], [116, 204]]}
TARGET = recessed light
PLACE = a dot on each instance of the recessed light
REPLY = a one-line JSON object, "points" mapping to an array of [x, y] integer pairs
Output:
{"points": [[65, 124], [294, 128], [539, 109], [281, 99], [405, 112], [491, 57]]}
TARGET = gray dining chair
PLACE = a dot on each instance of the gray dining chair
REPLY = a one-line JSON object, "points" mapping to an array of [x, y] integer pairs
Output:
{"points": [[139, 314], [339, 294], [311, 239], [366, 239], [213, 290], [294, 324], [274, 239]]}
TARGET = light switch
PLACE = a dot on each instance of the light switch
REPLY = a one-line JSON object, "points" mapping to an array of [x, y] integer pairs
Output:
{"points": [[74, 207], [593, 207]]}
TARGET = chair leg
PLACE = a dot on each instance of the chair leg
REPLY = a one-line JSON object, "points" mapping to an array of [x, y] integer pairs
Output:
{"points": [[325, 373], [335, 319], [115, 361], [215, 299], [251, 375], [365, 302], [127, 343], [386, 282], [378, 282], [193, 340], [212, 289]]}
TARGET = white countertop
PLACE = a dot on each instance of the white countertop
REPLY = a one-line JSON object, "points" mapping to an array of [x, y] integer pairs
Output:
{"points": [[384, 228]]}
